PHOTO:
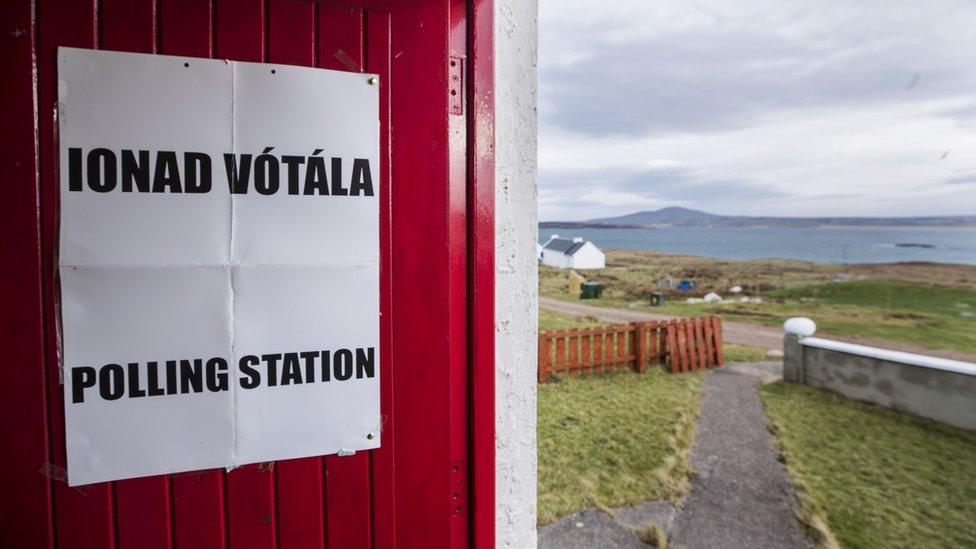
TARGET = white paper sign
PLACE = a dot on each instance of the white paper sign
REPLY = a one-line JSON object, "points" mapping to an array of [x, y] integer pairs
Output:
{"points": [[219, 262]]}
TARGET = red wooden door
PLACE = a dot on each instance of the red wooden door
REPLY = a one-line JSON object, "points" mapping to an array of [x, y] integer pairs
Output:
{"points": [[431, 483]]}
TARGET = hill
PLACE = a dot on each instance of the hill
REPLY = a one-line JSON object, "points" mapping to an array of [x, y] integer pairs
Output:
{"points": [[665, 216], [686, 217]]}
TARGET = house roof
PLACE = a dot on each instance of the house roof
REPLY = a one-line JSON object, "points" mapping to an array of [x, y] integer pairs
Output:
{"points": [[564, 245]]}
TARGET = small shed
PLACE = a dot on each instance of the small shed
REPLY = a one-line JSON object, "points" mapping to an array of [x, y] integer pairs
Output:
{"points": [[572, 254]]}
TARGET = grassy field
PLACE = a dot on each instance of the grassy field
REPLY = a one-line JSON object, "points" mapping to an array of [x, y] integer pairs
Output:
{"points": [[743, 353], [873, 476], [614, 439], [929, 305], [549, 320]]}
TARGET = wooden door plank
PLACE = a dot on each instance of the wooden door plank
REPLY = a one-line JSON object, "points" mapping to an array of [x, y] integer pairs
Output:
{"points": [[128, 25], [341, 42], [185, 28], [377, 59], [143, 517], [347, 479], [481, 200], [240, 30], [291, 32], [348, 505], [198, 509], [251, 507], [423, 330], [299, 493], [27, 504], [198, 512], [300, 513], [83, 516], [143, 512]]}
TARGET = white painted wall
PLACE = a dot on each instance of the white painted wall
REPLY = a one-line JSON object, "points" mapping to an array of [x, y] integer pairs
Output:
{"points": [[555, 259], [516, 271], [588, 257]]}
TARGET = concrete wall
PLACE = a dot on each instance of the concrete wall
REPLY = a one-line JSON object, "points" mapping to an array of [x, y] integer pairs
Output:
{"points": [[516, 271], [942, 390]]}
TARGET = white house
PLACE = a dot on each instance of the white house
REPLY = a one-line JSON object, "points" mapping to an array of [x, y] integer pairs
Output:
{"points": [[572, 254]]}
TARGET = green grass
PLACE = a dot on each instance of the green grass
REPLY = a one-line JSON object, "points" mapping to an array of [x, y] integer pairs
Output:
{"points": [[876, 477], [550, 320], [889, 294], [925, 314], [931, 328], [934, 316], [743, 353], [614, 439]]}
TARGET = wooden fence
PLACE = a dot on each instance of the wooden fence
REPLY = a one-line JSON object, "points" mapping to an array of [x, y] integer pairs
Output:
{"points": [[682, 345]]}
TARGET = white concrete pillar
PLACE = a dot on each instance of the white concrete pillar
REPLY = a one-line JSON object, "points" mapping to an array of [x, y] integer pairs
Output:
{"points": [[516, 271]]}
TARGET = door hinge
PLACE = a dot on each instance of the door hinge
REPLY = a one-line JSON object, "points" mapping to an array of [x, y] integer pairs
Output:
{"points": [[455, 98], [459, 488]]}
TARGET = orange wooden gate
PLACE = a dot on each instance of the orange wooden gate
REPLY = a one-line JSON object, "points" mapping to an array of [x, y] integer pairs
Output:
{"points": [[684, 345]]}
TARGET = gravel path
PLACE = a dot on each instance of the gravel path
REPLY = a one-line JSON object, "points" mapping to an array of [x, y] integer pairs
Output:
{"points": [[765, 337], [740, 496]]}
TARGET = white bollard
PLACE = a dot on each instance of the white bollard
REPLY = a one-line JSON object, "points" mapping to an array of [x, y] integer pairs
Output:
{"points": [[800, 326]]}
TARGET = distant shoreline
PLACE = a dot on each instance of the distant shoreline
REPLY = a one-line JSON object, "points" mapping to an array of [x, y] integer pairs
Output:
{"points": [[921, 263], [786, 222], [824, 243], [676, 216], [586, 225]]}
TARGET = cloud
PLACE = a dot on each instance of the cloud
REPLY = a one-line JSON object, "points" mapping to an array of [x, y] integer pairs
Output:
{"points": [[704, 80], [965, 179], [609, 191], [798, 107]]}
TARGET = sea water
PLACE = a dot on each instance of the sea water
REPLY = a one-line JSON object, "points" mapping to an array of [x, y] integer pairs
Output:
{"points": [[820, 244]]}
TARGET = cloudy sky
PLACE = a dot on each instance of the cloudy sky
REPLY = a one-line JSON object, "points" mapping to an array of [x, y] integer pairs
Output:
{"points": [[757, 108]]}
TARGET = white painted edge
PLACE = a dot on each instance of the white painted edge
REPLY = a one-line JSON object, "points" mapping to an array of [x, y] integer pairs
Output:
{"points": [[912, 359]]}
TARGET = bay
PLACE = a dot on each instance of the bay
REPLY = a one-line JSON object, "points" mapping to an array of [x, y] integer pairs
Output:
{"points": [[820, 244]]}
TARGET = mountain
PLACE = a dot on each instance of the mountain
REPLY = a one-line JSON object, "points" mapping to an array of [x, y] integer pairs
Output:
{"points": [[686, 217], [674, 215]]}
